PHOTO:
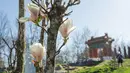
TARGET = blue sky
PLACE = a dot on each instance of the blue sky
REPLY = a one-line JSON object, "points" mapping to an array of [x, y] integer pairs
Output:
{"points": [[100, 16], [111, 16]]}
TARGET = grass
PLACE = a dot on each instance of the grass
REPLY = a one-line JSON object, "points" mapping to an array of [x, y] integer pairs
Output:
{"points": [[104, 68]]}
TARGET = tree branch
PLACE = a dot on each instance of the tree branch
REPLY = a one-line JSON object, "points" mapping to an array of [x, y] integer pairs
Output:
{"points": [[58, 51], [51, 3], [38, 3], [6, 43], [11, 33], [64, 20], [43, 28], [70, 3], [66, 14]]}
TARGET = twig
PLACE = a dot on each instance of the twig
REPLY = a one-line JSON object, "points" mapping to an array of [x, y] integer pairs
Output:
{"points": [[43, 28], [66, 14], [47, 3], [68, 4], [11, 33], [51, 3], [64, 21], [58, 51], [72, 3], [37, 3], [6, 43]]}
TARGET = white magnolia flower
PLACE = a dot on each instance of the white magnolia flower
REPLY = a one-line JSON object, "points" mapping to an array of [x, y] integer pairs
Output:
{"points": [[66, 28], [37, 51], [35, 12]]}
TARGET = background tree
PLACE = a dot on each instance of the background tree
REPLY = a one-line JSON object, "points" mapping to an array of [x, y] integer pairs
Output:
{"points": [[119, 50], [3, 34], [115, 52], [79, 43], [125, 54], [10, 53], [128, 52]]}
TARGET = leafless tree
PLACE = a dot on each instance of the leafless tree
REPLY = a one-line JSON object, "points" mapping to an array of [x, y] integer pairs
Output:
{"points": [[5, 39], [3, 33], [3, 28], [11, 52], [79, 42]]}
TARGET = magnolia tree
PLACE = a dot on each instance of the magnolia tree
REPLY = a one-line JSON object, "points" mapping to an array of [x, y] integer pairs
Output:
{"points": [[53, 12]]}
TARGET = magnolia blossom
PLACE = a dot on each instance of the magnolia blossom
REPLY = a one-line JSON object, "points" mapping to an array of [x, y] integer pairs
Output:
{"points": [[66, 28], [37, 51], [35, 12]]}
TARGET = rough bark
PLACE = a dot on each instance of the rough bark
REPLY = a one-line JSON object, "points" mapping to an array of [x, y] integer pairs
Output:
{"points": [[55, 22], [20, 43], [51, 46]]}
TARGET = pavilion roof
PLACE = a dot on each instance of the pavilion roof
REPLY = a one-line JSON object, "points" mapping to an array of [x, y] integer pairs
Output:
{"points": [[101, 39]]}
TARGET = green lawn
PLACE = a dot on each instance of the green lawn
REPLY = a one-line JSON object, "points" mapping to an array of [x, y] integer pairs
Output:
{"points": [[104, 67]]}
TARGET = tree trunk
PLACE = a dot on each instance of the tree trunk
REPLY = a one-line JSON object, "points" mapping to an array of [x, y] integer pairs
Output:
{"points": [[42, 32], [20, 43], [119, 50], [128, 52], [55, 22], [51, 46], [115, 52], [125, 55]]}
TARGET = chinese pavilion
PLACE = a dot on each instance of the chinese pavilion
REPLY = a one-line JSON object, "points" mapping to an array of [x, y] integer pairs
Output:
{"points": [[100, 46]]}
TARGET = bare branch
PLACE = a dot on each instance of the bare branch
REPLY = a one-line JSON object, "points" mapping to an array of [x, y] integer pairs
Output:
{"points": [[42, 33], [67, 14], [38, 3], [58, 51], [47, 3], [64, 21], [6, 43], [43, 28], [11, 33], [70, 3], [51, 3]]}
